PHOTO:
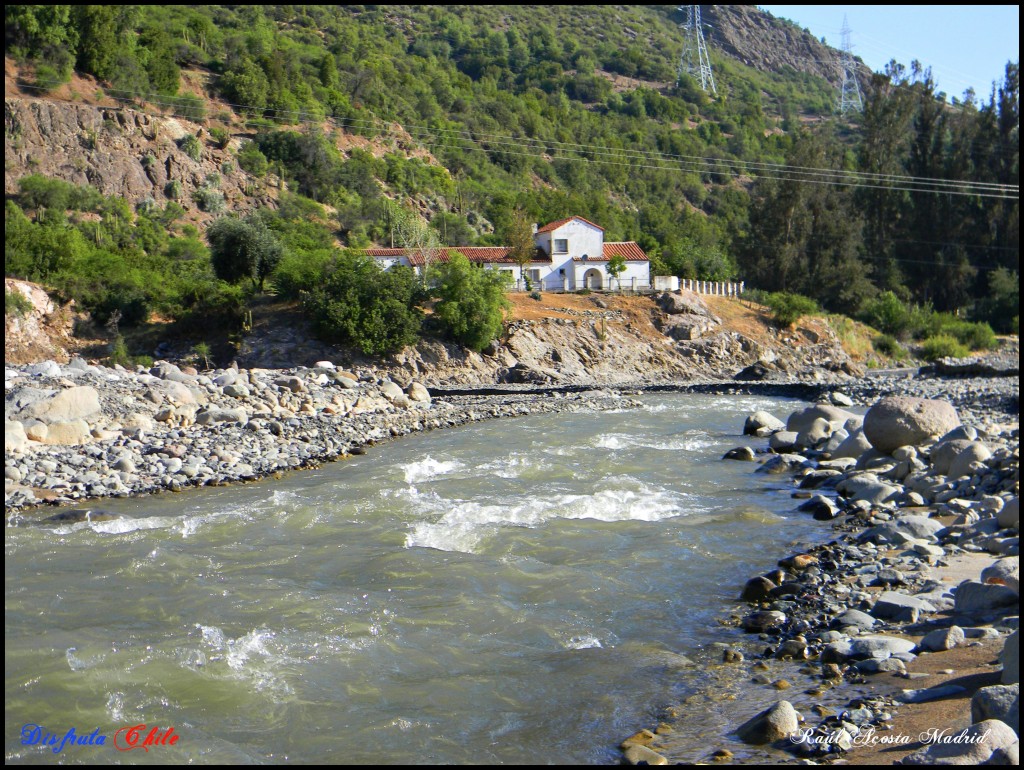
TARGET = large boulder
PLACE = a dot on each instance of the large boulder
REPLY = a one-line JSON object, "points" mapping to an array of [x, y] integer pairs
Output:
{"points": [[72, 404], [685, 302], [14, 436], [1001, 701], [1004, 572], [971, 746], [1009, 516], [963, 465], [854, 445], [897, 421], [1010, 658], [983, 597], [945, 452], [804, 419], [779, 721]]}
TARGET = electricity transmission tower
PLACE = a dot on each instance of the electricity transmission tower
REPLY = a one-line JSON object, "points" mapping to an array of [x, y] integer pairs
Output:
{"points": [[694, 61], [849, 94]]}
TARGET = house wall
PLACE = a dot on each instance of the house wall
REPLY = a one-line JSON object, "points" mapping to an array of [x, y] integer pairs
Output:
{"points": [[583, 239]]}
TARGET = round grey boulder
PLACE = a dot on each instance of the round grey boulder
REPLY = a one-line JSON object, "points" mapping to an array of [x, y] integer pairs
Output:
{"points": [[970, 746], [897, 421], [772, 724]]}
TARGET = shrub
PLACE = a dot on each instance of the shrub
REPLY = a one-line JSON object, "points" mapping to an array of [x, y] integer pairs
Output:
{"points": [[16, 303], [975, 336], [212, 304], [535, 295], [942, 346], [361, 304], [219, 137], [209, 199], [299, 270], [251, 159], [889, 346], [787, 308], [243, 249], [472, 302], [173, 190], [191, 146]]}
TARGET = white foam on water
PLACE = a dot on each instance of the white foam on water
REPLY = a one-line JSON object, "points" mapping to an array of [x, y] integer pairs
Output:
{"points": [[612, 441], [428, 468], [256, 657], [464, 523], [581, 642], [79, 663], [514, 466], [115, 707]]}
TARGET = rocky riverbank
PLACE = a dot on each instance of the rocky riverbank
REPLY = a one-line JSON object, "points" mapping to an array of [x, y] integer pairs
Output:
{"points": [[925, 564], [77, 431]]}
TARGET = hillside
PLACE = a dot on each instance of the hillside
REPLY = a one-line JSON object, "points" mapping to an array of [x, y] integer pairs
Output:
{"points": [[327, 124]]}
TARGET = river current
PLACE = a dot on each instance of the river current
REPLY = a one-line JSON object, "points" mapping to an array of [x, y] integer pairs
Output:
{"points": [[514, 591]]}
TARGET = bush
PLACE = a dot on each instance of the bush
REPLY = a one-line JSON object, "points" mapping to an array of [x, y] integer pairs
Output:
{"points": [[209, 199], [298, 271], [191, 146], [787, 308], [219, 137], [975, 336], [472, 302], [889, 346], [243, 249], [211, 304], [16, 303], [173, 190], [48, 78], [359, 303], [251, 159], [942, 346]]}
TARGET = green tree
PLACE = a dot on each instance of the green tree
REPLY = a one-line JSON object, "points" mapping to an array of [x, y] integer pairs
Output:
{"points": [[616, 267], [359, 303], [519, 237], [242, 249], [471, 302]]}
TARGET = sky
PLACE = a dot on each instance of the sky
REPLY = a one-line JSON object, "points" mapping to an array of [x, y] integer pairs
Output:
{"points": [[965, 45]]}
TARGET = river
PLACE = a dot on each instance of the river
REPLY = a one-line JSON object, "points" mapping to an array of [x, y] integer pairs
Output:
{"points": [[514, 591]]}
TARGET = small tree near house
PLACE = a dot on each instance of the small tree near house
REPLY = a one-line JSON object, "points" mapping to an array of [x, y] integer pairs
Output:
{"points": [[616, 267], [520, 241]]}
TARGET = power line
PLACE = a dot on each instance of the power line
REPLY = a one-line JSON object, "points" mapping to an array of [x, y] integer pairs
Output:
{"points": [[693, 163]]}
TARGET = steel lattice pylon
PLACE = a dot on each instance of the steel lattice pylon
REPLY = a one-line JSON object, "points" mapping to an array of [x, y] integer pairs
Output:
{"points": [[849, 94], [694, 60]]}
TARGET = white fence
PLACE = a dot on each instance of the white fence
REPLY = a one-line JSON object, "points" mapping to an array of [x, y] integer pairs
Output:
{"points": [[716, 288]]}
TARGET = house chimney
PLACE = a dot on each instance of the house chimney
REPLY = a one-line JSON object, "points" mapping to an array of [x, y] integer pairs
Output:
{"points": [[534, 228]]}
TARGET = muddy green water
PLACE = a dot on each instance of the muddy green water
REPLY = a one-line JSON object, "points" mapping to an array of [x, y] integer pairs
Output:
{"points": [[509, 592]]}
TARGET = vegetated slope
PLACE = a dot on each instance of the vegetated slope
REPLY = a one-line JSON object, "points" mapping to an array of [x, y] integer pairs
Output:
{"points": [[568, 339]]}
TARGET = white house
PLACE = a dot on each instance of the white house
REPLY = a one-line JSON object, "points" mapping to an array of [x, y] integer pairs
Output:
{"points": [[571, 254]]}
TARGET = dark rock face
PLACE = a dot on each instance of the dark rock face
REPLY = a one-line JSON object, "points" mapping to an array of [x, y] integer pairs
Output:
{"points": [[759, 40], [105, 146]]}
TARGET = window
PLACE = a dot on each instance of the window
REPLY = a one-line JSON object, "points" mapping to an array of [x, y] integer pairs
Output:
{"points": [[561, 245], [535, 275]]}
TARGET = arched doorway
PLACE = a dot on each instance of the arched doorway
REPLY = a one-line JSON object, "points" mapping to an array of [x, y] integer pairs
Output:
{"points": [[593, 279]]}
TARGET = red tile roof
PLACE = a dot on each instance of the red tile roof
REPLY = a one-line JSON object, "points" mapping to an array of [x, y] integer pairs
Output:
{"points": [[555, 225], [629, 250]]}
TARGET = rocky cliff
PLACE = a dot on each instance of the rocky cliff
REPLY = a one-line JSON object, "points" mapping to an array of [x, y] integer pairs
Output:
{"points": [[759, 40], [122, 152]]}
